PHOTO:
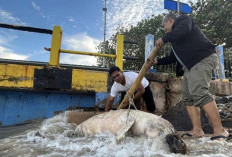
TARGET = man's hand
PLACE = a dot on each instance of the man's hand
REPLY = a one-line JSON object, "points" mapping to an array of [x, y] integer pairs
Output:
{"points": [[109, 103], [139, 92], [152, 62], [159, 43]]}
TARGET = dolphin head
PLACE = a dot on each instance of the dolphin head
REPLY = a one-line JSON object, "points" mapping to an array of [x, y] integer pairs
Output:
{"points": [[175, 144]]}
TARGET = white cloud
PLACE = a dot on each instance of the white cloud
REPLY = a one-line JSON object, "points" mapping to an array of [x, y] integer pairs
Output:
{"points": [[129, 12], [6, 37], [80, 42], [35, 6], [7, 17], [6, 53], [71, 19]]}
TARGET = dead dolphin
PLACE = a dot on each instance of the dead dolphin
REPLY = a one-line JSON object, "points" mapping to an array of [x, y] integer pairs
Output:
{"points": [[119, 122]]}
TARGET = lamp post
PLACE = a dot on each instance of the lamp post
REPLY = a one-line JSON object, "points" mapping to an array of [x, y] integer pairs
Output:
{"points": [[104, 48], [178, 7]]}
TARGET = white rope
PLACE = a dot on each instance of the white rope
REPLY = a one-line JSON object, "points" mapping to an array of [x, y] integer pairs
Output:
{"points": [[131, 101]]}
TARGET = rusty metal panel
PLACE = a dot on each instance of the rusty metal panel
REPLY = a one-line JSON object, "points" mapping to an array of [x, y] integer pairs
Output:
{"points": [[53, 78]]}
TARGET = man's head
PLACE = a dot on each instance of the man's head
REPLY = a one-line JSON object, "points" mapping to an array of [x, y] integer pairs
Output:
{"points": [[116, 74], [168, 21]]}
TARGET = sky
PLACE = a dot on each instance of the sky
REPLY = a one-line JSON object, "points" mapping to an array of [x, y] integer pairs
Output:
{"points": [[81, 21]]}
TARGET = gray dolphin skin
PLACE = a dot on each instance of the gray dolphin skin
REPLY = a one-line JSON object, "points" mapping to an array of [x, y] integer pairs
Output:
{"points": [[137, 122]]}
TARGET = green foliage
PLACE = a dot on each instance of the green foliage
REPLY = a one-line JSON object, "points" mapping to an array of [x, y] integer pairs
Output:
{"points": [[108, 48], [214, 17]]}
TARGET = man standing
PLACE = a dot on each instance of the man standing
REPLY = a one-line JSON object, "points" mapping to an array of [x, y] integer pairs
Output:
{"points": [[198, 57], [122, 83]]}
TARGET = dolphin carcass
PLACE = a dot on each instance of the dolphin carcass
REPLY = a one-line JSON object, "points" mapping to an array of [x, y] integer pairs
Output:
{"points": [[119, 122]]}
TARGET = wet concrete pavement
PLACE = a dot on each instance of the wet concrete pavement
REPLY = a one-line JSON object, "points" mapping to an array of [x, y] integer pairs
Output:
{"points": [[17, 129]]}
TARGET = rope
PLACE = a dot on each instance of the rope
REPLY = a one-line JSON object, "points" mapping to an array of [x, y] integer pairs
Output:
{"points": [[131, 101]]}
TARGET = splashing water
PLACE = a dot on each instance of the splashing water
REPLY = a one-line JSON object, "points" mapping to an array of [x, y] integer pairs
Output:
{"points": [[54, 138]]}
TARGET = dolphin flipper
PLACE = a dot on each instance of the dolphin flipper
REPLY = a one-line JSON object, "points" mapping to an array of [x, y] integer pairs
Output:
{"points": [[122, 132]]}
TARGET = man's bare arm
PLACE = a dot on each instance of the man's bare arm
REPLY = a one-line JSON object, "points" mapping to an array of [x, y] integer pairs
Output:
{"points": [[139, 92], [109, 103]]}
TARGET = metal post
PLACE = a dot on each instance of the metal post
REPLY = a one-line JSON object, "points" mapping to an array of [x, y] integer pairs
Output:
{"points": [[230, 65], [55, 46], [178, 7], [149, 45], [104, 48], [221, 71], [119, 51]]}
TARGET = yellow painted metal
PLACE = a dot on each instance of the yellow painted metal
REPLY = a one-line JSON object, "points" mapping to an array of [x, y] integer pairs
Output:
{"points": [[22, 76], [55, 46], [13, 75], [224, 80], [88, 53], [119, 51], [88, 80], [56, 49]]}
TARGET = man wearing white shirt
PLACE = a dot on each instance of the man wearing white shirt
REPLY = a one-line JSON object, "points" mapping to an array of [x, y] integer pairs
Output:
{"points": [[122, 83]]}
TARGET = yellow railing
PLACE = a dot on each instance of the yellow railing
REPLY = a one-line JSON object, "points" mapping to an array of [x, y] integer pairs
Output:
{"points": [[88, 53], [56, 44], [56, 49]]}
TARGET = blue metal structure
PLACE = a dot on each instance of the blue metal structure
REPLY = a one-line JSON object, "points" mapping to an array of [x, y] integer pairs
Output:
{"points": [[20, 106], [172, 5], [149, 45], [220, 73]]}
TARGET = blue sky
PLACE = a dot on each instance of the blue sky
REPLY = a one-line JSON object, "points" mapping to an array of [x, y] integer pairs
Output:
{"points": [[82, 22]]}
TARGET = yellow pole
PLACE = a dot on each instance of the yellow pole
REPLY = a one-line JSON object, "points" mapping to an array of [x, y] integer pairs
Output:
{"points": [[119, 51], [55, 46], [88, 53]]}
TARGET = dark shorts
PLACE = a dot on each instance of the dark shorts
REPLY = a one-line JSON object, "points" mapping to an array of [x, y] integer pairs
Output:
{"points": [[196, 82], [148, 98]]}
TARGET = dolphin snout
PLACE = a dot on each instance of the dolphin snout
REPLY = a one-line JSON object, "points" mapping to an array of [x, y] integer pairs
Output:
{"points": [[176, 144]]}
